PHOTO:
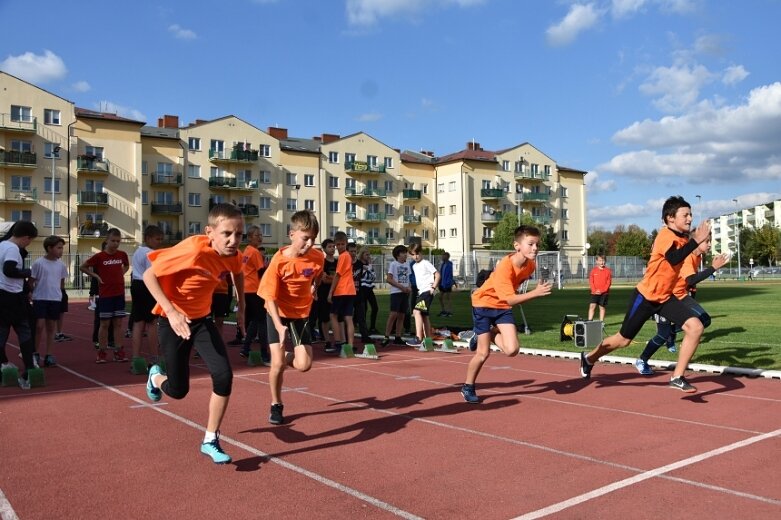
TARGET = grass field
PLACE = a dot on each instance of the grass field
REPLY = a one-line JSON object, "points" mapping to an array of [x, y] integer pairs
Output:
{"points": [[744, 332]]}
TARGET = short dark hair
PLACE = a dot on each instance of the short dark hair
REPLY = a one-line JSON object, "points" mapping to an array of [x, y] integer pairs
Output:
{"points": [[529, 231], [223, 210], [114, 232], [23, 228], [52, 241], [340, 235], [152, 231], [414, 248], [305, 220], [672, 205], [398, 250], [327, 242]]}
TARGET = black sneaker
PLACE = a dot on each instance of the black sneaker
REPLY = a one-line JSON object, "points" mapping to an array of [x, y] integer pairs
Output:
{"points": [[385, 342], [585, 368], [330, 348], [682, 384], [275, 417], [244, 352], [398, 341], [469, 395], [237, 342]]}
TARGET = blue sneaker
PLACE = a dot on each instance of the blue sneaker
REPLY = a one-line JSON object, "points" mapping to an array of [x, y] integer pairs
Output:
{"points": [[643, 367], [469, 395], [470, 337], [153, 393], [671, 349], [214, 450]]}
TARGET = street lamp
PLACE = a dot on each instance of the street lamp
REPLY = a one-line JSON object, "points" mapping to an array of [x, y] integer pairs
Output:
{"points": [[737, 236], [55, 149]]}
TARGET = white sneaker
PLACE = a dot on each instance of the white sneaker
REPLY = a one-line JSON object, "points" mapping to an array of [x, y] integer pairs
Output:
{"points": [[5, 366], [91, 307], [24, 384]]}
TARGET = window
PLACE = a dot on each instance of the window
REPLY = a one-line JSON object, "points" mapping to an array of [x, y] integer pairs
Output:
{"points": [[216, 173], [389, 187], [165, 169], [291, 179], [564, 235], [333, 206], [265, 177], [425, 234], [194, 228], [94, 186], [451, 186], [47, 219], [48, 150], [18, 145], [372, 160], [564, 214], [244, 179], [194, 171], [164, 197], [265, 203], [506, 166], [349, 184], [292, 205], [350, 207], [193, 199], [425, 211], [20, 114], [309, 205], [333, 157], [21, 183], [453, 232], [390, 210], [441, 187], [488, 233], [144, 168], [424, 188], [21, 214], [349, 158], [265, 229], [441, 210], [452, 209], [388, 163], [442, 233], [144, 197], [486, 185], [264, 150], [563, 192], [309, 180], [333, 182], [535, 168], [95, 151], [51, 116], [546, 170], [350, 232], [389, 234], [245, 200], [218, 199], [519, 167], [217, 146], [332, 230], [47, 185], [194, 143]]}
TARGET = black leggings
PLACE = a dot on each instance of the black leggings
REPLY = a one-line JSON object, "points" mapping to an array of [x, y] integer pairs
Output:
{"points": [[176, 352]]}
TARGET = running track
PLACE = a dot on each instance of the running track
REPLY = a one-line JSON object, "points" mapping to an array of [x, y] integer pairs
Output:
{"points": [[392, 438]]}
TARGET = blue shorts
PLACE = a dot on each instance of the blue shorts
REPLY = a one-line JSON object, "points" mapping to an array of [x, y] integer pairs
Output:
{"points": [[484, 318], [46, 309], [111, 307]]}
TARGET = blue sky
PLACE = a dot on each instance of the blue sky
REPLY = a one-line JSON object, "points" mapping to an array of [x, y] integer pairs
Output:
{"points": [[651, 97]]}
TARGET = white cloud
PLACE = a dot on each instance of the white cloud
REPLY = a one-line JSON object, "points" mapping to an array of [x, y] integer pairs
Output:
{"points": [[608, 217], [181, 33], [369, 117], [35, 68], [734, 74], [624, 8], [594, 185], [113, 108], [369, 12], [579, 18], [81, 86], [679, 6], [676, 87]]}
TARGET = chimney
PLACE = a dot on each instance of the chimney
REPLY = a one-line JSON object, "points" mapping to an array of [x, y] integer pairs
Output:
{"points": [[277, 133], [317, 138], [330, 138], [168, 121], [472, 145]]}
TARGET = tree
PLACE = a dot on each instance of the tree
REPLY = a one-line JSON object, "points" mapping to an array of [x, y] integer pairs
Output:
{"points": [[763, 245], [504, 234], [598, 240], [549, 241], [633, 241]]}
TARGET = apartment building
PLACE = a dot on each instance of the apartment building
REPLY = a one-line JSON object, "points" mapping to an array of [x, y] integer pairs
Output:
{"points": [[725, 228], [117, 172]]}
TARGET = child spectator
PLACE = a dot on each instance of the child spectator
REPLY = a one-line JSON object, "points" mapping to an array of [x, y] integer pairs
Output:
{"points": [[493, 301], [363, 273], [398, 280], [427, 278], [47, 278], [182, 279], [342, 294], [93, 289], [109, 268], [599, 279], [323, 289], [446, 285], [254, 306], [287, 288], [141, 317]]}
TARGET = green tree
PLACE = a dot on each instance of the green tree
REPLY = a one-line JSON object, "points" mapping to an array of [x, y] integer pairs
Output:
{"points": [[549, 241], [598, 239], [763, 245], [633, 241], [504, 233]]}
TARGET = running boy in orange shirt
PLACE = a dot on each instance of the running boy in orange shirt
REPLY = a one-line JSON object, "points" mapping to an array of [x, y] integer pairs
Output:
{"points": [[182, 279], [492, 305], [654, 293], [287, 286]]}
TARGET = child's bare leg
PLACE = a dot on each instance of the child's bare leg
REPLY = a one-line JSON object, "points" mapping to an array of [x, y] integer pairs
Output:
{"points": [[118, 332], [601, 313], [478, 360], [693, 329], [506, 338], [399, 323], [302, 357], [420, 329], [426, 326], [217, 406], [49, 344], [103, 333], [275, 373], [609, 344], [336, 328], [349, 329], [591, 308], [40, 327]]}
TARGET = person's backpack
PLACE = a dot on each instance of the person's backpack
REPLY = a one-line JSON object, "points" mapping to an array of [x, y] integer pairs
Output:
{"points": [[482, 276]]}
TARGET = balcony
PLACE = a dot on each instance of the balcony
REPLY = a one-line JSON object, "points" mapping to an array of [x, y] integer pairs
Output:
{"points": [[233, 156], [491, 193], [533, 197], [491, 217], [531, 176], [19, 196], [15, 158], [411, 194], [92, 164], [90, 230], [172, 236], [376, 241], [541, 219], [249, 210], [362, 167], [167, 209], [25, 125], [165, 179], [231, 183], [92, 198], [365, 193], [411, 219], [369, 217], [487, 240]]}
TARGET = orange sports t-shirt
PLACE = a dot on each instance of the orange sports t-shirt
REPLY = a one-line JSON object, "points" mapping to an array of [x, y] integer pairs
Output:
{"points": [[189, 272], [502, 284], [344, 268], [253, 261], [660, 276], [689, 267], [288, 282]]}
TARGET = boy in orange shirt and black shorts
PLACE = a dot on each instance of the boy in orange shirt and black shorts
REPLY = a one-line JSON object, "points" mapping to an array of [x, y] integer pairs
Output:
{"points": [[654, 293], [182, 279], [492, 305], [255, 312], [342, 295], [287, 286]]}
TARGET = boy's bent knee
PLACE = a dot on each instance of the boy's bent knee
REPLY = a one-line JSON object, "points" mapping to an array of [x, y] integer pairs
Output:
{"points": [[175, 392], [222, 383]]}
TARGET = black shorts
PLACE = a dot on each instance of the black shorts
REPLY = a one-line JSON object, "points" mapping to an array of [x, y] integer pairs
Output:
{"points": [[641, 310], [46, 310], [323, 308], [221, 305], [399, 302], [298, 329], [343, 305], [599, 299], [143, 302], [444, 289], [64, 302], [423, 302]]}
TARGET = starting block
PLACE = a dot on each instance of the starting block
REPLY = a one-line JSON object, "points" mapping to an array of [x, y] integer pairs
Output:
{"points": [[138, 366], [369, 352], [255, 359], [35, 377], [427, 345], [347, 351], [447, 346], [11, 376]]}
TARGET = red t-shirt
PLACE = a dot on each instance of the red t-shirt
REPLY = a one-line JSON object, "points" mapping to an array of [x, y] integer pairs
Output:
{"points": [[111, 269]]}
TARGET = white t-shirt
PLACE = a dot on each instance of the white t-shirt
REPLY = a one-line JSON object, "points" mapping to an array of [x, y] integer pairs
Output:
{"points": [[10, 252], [48, 275], [140, 262], [424, 275], [400, 274]]}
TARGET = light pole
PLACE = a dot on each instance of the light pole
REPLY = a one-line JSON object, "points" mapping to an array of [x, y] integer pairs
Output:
{"points": [[54, 151], [737, 235], [699, 208]]}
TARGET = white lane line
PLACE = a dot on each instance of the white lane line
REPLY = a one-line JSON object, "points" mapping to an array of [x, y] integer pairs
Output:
{"points": [[6, 510], [621, 484], [376, 502]]}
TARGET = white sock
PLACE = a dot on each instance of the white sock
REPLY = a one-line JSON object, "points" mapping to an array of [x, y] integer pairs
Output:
{"points": [[209, 436]]}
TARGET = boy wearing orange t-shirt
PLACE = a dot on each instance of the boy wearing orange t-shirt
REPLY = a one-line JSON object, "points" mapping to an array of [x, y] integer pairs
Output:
{"points": [[342, 294], [654, 293], [255, 312], [182, 279], [492, 305], [287, 286]]}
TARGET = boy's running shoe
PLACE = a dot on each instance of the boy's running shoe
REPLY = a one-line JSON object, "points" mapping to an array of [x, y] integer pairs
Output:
{"points": [[152, 392], [7, 365], [101, 357], [682, 384], [49, 361], [60, 337], [275, 417], [119, 355], [24, 384], [244, 352], [385, 342], [214, 450], [91, 307], [585, 367], [398, 341], [671, 349], [330, 348], [470, 337], [469, 395], [96, 345], [414, 342], [643, 367]]}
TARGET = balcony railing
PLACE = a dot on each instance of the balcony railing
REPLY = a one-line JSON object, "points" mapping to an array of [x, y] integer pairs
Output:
{"points": [[363, 167], [234, 155], [91, 163], [29, 124], [369, 217], [541, 219], [92, 198], [531, 176], [19, 196], [233, 183], [376, 241], [534, 197], [165, 179], [17, 158], [412, 219], [491, 193], [90, 230], [167, 209], [487, 240], [491, 217], [369, 193], [249, 210], [411, 194], [172, 236]]}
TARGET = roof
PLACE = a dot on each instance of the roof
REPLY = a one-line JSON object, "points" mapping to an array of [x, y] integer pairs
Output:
{"points": [[568, 169], [163, 133], [416, 157], [85, 113], [300, 144], [468, 155]]}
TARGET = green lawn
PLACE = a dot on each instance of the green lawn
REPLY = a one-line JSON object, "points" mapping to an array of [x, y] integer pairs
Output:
{"points": [[744, 332]]}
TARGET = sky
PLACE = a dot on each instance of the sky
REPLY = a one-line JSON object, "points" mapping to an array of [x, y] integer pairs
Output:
{"points": [[652, 98]]}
